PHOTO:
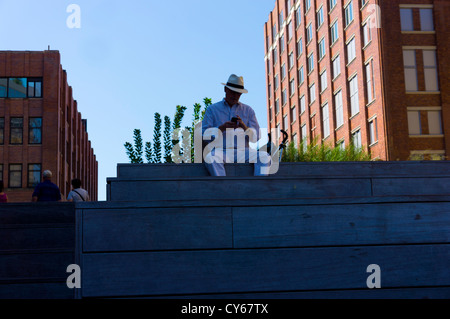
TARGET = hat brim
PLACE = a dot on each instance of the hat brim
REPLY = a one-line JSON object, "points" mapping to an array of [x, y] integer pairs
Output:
{"points": [[235, 89]]}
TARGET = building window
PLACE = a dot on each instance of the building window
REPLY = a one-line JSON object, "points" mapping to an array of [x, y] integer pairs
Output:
{"points": [[339, 109], [373, 131], [307, 5], [292, 87], [334, 32], [349, 13], [275, 55], [312, 93], [323, 81], [15, 175], [356, 139], [290, 31], [283, 97], [414, 123], [304, 137], [295, 140], [35, 88], [301, 75], [17, 88], [332, 4], [2, 130], [341, 145], [277, 106], [298, 15], [274, 31], [320, 17], [309, 33], [285, 123], [326, 121], [426, 20], [293, 114], [275, 82], [1, 172], [336, 66], [370, 83], [299, 47], [434, 123], [302, 105], [406, 18], [34, 175], [354, 99], [3, 87], [291, 60], [311, 63], [283, 71], [289, 6], [35, 130], [351, 51], [430, 70], [16, 130], [367, 33], [281, 18], [322, 49], [409, 61], [282, 44]]}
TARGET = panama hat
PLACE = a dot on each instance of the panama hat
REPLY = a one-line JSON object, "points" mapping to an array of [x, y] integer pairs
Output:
{"points": [[236, 83]]}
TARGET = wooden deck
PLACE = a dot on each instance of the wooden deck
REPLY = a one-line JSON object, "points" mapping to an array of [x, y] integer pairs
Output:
{"points": [[170, 231]]}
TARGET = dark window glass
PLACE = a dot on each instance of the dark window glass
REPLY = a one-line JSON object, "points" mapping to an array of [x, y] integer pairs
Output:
{"points": [[15, 175], [35, 88], [17, 88], [3, 87], [35, 130], [1, 172], [16, 128], [2, 130], [34, 175]]}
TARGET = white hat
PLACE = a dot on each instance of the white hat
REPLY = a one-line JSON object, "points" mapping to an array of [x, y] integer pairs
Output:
{"points": [[236, 83]]}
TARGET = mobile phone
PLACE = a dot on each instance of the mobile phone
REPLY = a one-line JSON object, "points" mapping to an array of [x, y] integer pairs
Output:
{"points": [[234, 119]]}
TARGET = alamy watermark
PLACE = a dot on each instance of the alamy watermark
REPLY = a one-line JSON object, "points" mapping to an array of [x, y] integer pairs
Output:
{"points": [[74, 19]]}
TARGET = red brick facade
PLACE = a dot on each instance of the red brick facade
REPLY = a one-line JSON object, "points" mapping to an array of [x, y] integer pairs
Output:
{"points": [[375, 100], [63, 146]]}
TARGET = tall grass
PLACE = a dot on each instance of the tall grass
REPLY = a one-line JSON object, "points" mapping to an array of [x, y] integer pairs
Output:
{"points": [[324, 153]]}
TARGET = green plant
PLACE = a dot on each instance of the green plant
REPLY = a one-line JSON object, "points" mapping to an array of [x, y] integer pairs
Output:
{"points": [[135, 153], [324, 152]]}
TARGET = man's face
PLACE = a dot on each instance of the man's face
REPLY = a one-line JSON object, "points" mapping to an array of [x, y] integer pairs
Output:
{"points": [[232, 97]]}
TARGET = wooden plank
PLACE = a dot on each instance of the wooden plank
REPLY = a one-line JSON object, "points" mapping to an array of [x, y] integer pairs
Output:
{"points": [[411, 186], [37, 238], [357, 224], [43, 290], [222, 188], [397, 293], [37, 213], [156, 229], [16, 267], [259, 202], [262, 270], [409, 168]]}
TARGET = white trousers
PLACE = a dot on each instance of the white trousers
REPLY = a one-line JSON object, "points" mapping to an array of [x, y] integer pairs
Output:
{"points": [[215, 160]]}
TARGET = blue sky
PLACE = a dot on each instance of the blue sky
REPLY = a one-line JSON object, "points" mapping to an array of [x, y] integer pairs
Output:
{"points": [[133, 58]]}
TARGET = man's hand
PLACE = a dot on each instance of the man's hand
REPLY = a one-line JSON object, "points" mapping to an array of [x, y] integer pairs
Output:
{"points": [[228, 125], [240, 123]]}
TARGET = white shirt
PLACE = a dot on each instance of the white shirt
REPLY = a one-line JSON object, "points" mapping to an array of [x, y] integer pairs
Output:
{"points": [[73, 195], [219, 113]]}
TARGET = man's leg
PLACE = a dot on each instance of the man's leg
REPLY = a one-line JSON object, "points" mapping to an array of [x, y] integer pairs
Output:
{"points": [[214, 163], [261, 160]]}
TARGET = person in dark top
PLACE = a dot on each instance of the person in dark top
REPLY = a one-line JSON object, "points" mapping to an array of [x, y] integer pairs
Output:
{"points": [[46, 191], [3, 196]]}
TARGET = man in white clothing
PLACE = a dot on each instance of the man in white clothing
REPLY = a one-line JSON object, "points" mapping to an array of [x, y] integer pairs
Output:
{"points": [[78, 194], [234, 126]]}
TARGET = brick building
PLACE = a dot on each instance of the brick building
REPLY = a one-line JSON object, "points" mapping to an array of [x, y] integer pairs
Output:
{"points": [[40, 127], [371, 72]]}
